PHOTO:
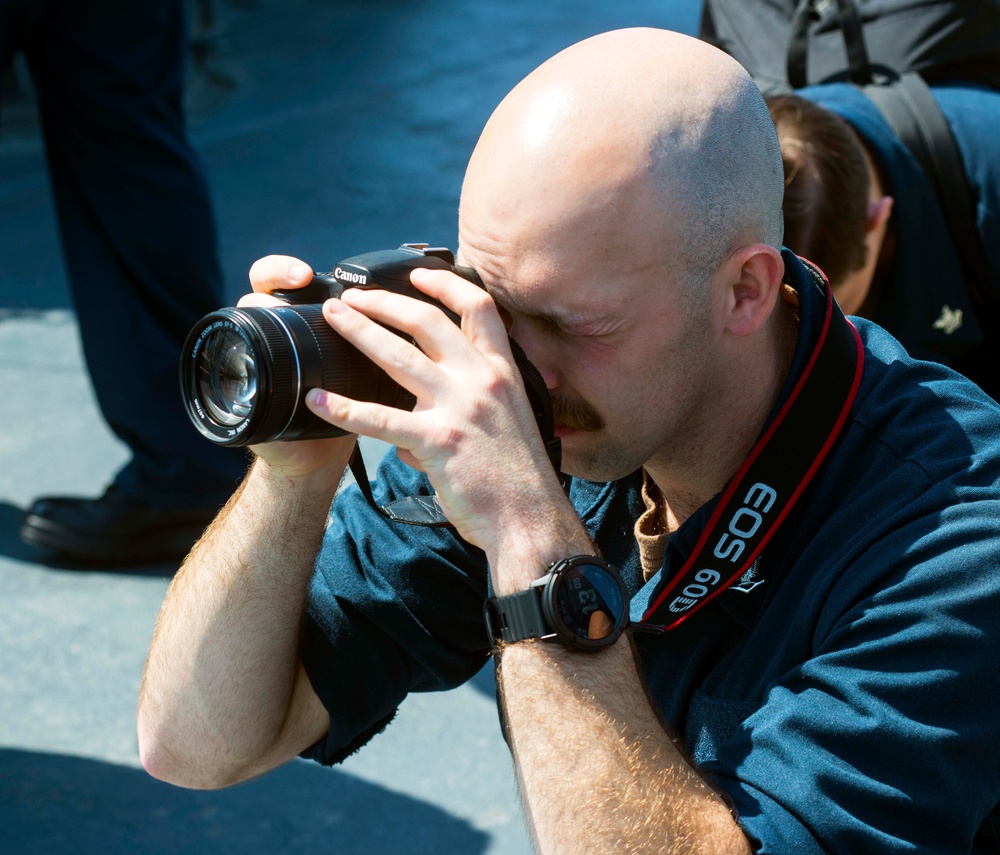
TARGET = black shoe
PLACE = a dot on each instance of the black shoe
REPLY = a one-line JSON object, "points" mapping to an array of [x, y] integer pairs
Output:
{"points": [[114, 529]]}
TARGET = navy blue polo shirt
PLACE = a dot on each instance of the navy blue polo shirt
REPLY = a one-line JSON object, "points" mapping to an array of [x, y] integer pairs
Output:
{"points": [[856, 715]]}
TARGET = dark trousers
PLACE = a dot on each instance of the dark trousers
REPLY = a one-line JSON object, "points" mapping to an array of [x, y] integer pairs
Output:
{"points": [[135, 219]]}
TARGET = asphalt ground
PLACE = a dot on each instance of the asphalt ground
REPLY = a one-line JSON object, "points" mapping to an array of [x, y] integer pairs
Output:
{"points": [[329, 129]]}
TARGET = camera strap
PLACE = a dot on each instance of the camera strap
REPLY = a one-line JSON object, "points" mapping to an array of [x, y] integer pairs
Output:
{"points": [[777, 471], [773, 477], [425, 510]]}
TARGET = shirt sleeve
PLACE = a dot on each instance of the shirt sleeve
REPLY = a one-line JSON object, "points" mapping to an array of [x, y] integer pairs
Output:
{"points": [[392, 608]]}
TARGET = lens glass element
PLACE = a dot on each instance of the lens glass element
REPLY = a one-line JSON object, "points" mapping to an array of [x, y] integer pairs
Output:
{"points": [[227, 377]]}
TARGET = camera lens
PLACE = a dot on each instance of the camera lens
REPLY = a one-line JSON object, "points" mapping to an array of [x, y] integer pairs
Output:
{"points": [[227, 377], [245, 374]]}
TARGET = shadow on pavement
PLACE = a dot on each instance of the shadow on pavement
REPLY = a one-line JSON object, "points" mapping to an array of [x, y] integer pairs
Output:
{"points": [[56, 803]]}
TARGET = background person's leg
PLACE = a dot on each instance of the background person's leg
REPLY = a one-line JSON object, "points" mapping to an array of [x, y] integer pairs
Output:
{"points": [[139, 237]]}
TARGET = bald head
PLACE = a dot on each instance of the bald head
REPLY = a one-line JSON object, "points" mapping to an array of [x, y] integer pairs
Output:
{"points": [[637, 134]]}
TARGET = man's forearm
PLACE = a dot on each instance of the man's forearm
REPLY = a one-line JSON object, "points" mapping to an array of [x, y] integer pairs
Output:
{"points": [[222, 693], [598, 771]]}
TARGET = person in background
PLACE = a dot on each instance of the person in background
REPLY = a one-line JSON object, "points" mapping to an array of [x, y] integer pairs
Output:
{"points": [[859, 205], [139, 241]]}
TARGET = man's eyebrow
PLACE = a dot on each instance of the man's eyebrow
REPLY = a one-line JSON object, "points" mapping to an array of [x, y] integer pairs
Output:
{"points": [[569, 321], [505, 301]]}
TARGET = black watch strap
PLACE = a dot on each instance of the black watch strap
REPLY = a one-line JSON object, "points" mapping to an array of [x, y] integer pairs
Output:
{"points": [[581, 603], [516, 617]]}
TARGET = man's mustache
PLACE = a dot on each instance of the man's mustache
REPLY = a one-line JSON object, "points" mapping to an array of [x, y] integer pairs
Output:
{"points": [[575, 415]]}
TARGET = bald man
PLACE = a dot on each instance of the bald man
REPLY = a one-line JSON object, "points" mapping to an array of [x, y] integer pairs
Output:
{"points": [[623, 210]]}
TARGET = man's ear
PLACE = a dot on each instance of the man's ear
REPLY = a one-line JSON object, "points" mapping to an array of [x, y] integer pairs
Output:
{"points": [[878, 212], [753, 282]]}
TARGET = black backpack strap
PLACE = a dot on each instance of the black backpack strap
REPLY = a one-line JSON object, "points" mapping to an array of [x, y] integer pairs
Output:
{"points": [[854, 41], [798, 45], [909, 107], [849, 16]]}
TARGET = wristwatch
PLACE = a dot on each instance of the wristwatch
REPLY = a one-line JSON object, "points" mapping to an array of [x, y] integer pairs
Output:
{"points": [[581, 602]]}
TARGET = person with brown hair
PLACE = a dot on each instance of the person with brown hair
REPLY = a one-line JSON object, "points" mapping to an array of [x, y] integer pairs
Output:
{"points": [[835, 212], [859, 205]]}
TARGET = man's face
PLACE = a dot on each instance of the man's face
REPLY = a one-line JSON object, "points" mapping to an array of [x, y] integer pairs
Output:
{"points": [[623, 362]]}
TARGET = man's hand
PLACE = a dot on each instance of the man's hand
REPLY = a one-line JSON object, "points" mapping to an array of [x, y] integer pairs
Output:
{"points": [[472, 430]]}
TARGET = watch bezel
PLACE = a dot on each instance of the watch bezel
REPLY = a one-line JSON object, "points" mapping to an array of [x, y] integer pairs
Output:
{"points": [[560, 631]]}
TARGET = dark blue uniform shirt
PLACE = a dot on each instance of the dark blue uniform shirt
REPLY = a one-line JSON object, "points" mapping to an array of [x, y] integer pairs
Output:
{"points": [[858, 714]]}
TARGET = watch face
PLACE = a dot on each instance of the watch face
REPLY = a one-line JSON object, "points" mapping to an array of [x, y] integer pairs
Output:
{"points": [[588, 605]]}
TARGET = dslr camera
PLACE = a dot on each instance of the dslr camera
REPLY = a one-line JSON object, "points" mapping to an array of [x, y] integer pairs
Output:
{"points": [[245, 372]]}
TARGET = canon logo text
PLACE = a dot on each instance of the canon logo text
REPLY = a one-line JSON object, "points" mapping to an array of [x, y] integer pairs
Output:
{"points": [[350, 276]]}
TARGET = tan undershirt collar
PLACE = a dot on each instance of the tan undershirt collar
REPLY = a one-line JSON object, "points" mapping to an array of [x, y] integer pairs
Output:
{"points": [[650, 529]]}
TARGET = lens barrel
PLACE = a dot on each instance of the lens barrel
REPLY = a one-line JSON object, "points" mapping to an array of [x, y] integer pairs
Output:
{"points": [[245, 374]]}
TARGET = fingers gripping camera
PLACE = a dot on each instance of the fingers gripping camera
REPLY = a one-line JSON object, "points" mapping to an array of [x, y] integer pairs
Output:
{"points": [[245, 372]]}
